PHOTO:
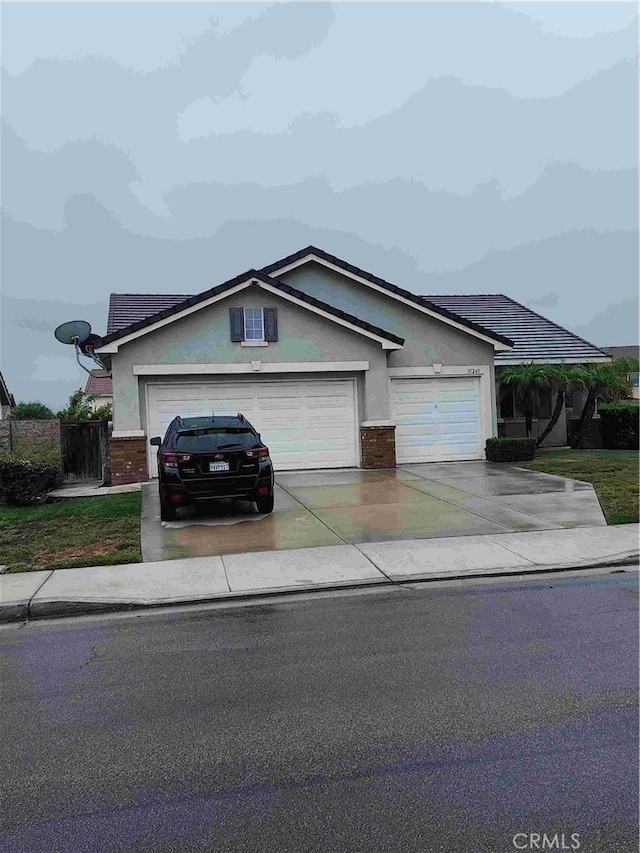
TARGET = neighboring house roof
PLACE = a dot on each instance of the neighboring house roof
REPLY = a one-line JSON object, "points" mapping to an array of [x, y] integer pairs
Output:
{"points": [[6, 397], [99, 383], [623, 352], [312, 253], [109, 343], [536, 338]]}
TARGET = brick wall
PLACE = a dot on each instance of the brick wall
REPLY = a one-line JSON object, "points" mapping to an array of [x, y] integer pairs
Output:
{"points": [[19, 436], [128, 461], [5, 435], [378, 445]]}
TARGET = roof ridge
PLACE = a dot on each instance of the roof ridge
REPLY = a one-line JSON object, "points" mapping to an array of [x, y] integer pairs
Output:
{"points": [[153, 294], [463, 295]]}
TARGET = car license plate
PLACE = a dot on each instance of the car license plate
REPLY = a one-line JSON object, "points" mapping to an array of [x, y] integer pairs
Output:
{"points": [[218, 466]]}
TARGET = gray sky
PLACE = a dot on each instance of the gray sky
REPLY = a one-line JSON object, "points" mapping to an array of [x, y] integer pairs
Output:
{"points": [[448, 147]]}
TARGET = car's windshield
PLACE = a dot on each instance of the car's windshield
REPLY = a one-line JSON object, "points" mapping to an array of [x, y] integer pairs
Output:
{"points": [[206, 441]]}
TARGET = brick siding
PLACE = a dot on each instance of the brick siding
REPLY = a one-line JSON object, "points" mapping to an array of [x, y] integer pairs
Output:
{"points": [[128, 461], [378, 445]]}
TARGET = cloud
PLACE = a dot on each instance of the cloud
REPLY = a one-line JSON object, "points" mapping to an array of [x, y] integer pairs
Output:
{"points": [[548, 300], [56, 368], [617, 325], [578, 19], [120, 31]]}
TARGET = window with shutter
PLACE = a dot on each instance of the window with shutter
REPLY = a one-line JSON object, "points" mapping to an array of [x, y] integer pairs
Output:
{"points": [[253, 324], [270, 324], [236, 319]]}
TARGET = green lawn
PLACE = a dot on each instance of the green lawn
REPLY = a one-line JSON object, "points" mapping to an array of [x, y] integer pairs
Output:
{"points": [[71, 532], [612, 473]]}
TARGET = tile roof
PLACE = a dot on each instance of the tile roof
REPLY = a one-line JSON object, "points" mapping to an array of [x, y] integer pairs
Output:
{"points": [[495, 315], [623, 352], [99, 383], [536, 338], [139, 308], [128, 308]]}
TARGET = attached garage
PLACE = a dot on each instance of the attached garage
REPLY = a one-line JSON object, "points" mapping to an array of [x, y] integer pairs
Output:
{"points": [[306, 424], [438, 419]]}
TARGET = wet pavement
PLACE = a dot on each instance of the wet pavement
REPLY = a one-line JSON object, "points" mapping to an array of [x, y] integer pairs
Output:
{"points": [[424, 501], [403, 720]]}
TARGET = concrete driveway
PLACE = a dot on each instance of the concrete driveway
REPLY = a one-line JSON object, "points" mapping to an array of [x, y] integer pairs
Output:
{"points": [[422, 501]]}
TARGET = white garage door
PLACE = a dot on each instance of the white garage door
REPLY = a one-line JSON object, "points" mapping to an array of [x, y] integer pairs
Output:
{"points": [[437, 419], [305, 424]]}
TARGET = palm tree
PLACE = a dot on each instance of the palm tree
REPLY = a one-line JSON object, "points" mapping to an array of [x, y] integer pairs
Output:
{"points": [[528, 380], [563, 378], [608, 381]]}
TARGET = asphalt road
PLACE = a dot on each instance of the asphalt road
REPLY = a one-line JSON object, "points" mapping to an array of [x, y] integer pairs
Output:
{"points": [[461, 720]]}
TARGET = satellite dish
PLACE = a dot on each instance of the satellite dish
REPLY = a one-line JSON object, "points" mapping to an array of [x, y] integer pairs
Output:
{"points": [[87, 345], [78, 333], [75, 331]]}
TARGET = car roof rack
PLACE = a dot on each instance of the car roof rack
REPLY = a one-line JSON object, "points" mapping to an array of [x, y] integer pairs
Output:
{"points": [[214, 415]]}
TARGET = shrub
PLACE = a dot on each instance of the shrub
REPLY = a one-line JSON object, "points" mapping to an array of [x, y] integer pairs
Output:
{"points": [[27, 483], [620, 422], [34, 411], [80, 408], [510, 449]]}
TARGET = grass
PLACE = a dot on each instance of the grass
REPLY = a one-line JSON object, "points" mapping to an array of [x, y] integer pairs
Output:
{"points": [[612, 473], [71, 533]]}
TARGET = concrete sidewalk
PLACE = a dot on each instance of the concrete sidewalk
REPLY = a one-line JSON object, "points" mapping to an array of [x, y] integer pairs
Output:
{"points": [[66, 592]]}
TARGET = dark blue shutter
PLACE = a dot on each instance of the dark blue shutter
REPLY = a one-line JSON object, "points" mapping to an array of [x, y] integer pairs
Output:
{"points": [[236, 319], [270, 324]]}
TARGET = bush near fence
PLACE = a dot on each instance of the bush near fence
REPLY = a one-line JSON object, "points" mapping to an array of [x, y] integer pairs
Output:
{"points": [[620, 424], [27, 483], [510, 449]]}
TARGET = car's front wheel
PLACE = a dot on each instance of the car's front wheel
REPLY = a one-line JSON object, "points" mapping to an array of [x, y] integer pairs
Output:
{"points": [[264, 503]]}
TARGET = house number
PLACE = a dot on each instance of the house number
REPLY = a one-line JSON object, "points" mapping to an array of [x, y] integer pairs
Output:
{"points": [[474, 370]]}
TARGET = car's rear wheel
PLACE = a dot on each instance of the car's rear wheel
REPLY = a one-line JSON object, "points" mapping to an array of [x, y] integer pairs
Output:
{"points": [[167, 511], [264, 503]]}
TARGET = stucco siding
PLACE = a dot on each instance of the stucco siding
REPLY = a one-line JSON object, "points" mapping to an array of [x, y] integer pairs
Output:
{"points": [[427, 339], [204, 338]]}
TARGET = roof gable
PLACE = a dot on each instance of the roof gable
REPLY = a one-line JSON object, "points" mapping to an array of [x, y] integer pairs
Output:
{"points": [[186, 305], [311, 254]]}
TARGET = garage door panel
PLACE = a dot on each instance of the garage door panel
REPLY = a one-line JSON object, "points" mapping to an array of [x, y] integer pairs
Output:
{"points": [[437, 419], [305, 424]]}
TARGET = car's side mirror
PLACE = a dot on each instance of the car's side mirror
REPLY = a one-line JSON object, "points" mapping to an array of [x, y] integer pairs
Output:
{"points": [[156, 441]]}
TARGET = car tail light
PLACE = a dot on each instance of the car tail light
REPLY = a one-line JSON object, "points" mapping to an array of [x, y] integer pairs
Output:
{"points": [[261, 452], [263, 490], [171, 459], [176, 496]]}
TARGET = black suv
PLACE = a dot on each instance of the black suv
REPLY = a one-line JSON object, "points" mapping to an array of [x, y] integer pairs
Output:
{"points": [[217, 456]]}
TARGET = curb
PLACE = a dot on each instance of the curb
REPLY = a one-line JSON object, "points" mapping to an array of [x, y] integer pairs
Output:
{"points": [[23, 612]]}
